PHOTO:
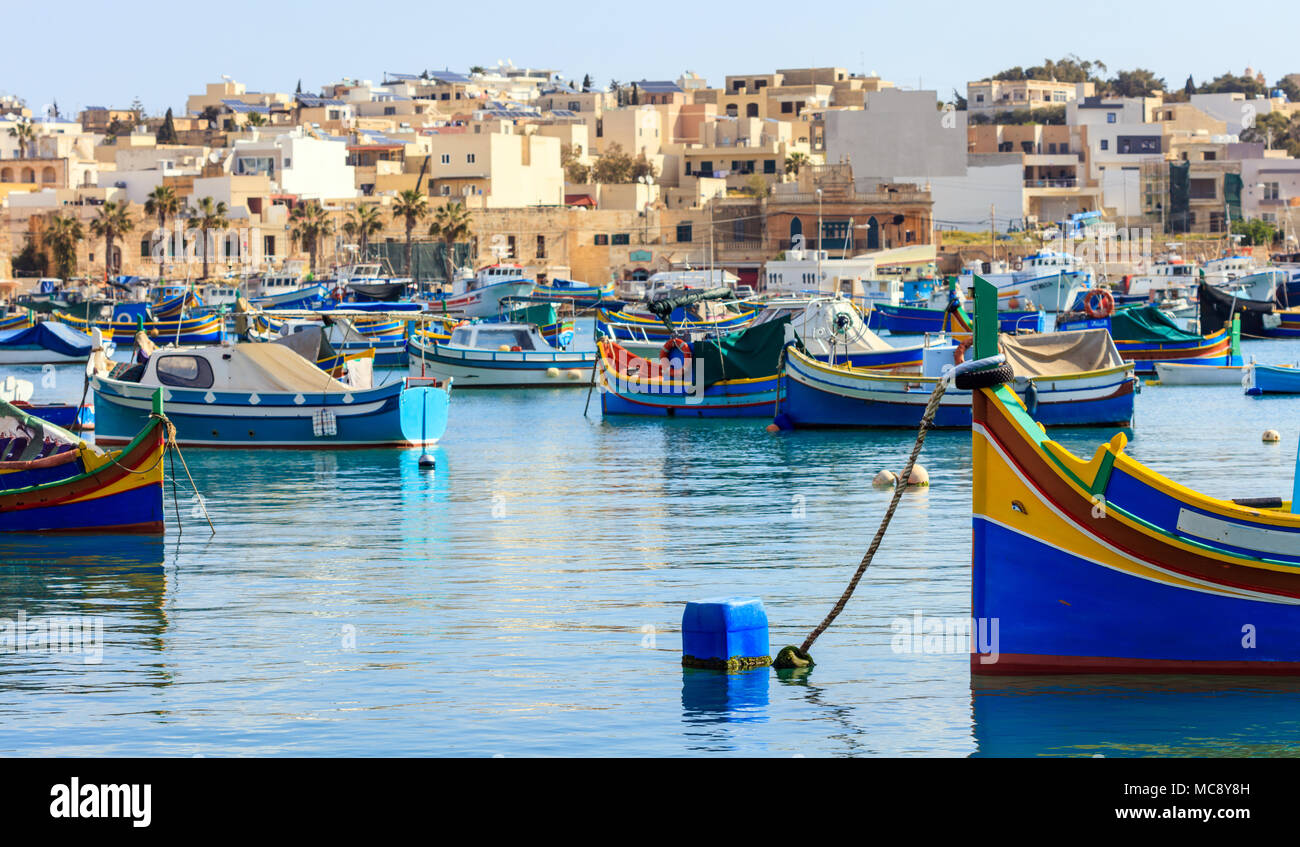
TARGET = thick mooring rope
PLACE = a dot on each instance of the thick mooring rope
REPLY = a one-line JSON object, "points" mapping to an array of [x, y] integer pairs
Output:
{"points": [[794, 657]]}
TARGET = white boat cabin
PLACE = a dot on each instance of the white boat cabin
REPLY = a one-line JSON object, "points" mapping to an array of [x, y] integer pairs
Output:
{"points": [[499, 337]]}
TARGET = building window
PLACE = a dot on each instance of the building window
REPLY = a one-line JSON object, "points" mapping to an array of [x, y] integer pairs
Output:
{"points": [[979, 98], [145, 247], [683, 233], [1203, 189], [1271, 191], [621, 238], [541, 246], [600, 238], [510, 247], [446, 158], [751, 110], [268, 245], [469, 157], [575, 106], [1051, 148], [1105, 144], [390, 110], [769, 166], [706, 168], [1110, 117]]}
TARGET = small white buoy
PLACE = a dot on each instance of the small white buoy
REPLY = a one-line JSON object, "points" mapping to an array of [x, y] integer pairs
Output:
{"points": [[427, 461], [885, 479], [575, 374], [920, 476], [1272, 436], [552, 372]]}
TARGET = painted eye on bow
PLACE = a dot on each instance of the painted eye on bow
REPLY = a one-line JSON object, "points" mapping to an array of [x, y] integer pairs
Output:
{"points": [[1016, 505]]}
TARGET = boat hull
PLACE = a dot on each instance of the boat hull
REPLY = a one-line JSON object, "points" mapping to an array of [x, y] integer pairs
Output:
{"points": [[472, 368], [1183, 373], [818, 395], [392, 415], [486, 302], [1271, 379]]}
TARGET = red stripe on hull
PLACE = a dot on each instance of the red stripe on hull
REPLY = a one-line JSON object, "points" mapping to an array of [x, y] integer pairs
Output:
{"points": [[1013, 664]]}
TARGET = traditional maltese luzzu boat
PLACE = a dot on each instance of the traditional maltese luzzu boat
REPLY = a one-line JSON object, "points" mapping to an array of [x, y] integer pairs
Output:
{"points": [[1103, 565]]}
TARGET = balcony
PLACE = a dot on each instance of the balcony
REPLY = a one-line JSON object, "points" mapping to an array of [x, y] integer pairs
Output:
{"points": [[1051, 183]]}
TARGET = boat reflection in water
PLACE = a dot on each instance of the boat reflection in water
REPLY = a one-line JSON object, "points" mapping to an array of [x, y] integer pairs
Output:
{"points": [[710, 696], [1116, 716]]}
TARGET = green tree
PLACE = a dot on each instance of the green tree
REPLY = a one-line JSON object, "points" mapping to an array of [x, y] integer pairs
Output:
{"points": [[1189, 87], [62, 235], [757, 186], [167, 132], [795, 161], [614, 166], [1290, 85], [25, 132], [163, 204], [1138, 82], [586, 82], [642, 169], [256, 119], [412, 207], [958, 101], [574, 170], [112, 223], [208, 215], [1231, 83], [1254, 232], [451, 224], [309, 223], [1068, 69], [362, 223]]}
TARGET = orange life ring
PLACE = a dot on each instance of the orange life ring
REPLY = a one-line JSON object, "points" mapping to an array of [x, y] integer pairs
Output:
{"points": [[959, 355], [1099, 303], [666, 351], [339, 294]]}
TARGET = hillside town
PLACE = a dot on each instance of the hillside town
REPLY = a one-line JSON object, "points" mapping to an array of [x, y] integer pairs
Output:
{"points": [[620, 181]]}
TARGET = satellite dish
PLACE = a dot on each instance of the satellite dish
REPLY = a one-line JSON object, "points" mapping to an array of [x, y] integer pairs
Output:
{"points": [[214, 157]]}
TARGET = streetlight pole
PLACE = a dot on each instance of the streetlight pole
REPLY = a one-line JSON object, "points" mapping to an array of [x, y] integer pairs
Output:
{"points": [[819, 240]]}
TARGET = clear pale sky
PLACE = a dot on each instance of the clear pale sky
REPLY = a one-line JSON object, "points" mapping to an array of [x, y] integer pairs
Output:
{"points": [[82, 53]]}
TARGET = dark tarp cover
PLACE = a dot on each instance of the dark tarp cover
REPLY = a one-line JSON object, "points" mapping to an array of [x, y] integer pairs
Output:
{"points": [[55, 337], [1147, 323], [750, 353], [378, 292], [1180, 190], [1218, 307]]}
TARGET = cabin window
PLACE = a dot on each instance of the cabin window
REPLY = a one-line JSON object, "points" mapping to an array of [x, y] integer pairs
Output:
{"points": [[185, 371]]}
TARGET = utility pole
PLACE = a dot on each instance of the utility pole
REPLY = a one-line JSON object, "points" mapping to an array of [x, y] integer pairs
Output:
{"points": [[819, 240], [993, 242]]}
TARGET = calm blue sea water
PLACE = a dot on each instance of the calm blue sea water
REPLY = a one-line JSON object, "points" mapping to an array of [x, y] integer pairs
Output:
{"points": [[525, 598]]}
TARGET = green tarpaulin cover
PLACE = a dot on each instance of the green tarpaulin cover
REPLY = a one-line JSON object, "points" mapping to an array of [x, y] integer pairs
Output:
{"points": [[541, 314], [748, 354], [1147, 323]]}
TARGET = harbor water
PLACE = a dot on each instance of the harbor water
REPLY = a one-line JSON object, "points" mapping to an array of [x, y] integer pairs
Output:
{"points": [[525, 597]]}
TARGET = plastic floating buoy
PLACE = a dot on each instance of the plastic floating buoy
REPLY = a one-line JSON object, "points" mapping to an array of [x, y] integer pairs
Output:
{"points": [[772, 428], [920, 476], [427, 461], [728, 633], [553, 372], [503, 348], [885, 479], [1272, 436], [575, 374]]}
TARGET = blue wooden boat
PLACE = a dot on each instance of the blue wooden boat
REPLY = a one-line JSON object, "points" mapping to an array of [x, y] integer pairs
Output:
{"points": [[1069, 379], [52, 481], [1145, 335], [265, 395], [499, 355], [1271, 379], [733, 376], [203, 329], [577, 294], [47, 342], [916, 320], [20, 320], [69, 416]]}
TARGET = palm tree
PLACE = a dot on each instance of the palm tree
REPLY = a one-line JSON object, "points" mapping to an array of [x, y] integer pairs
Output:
{"points": [[113, 222], [62, 235], [451, 223], [25, 132], [209, 215], [256, 119], [411, 205], [311, 223], [363, 223], [794, 162], [163, 203]]}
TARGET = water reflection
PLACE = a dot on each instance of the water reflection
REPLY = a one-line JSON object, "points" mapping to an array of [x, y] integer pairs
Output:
{"points": [[710, 696], [1136, 716]]}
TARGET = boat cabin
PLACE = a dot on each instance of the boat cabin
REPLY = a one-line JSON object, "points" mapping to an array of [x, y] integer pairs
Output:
{"points": [[514, 337]]}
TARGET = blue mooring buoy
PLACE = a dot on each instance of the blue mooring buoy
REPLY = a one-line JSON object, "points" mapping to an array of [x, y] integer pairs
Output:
{"points": [[427, 461], [727, 633]]}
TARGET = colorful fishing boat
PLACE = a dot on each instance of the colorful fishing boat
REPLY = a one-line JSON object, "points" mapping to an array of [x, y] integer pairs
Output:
{"points": [[481, 295], [831, 329], [44, 343], [265, 395], [172, 302], [1218, 308], [70, 416], [19, 320], [624, 326], [1271, 379], [1191, 373], [1145, 335], [52, 481], [499, 355], [730, 376], [917, 320], [578, 294], [1066, 378], [204, 329]]}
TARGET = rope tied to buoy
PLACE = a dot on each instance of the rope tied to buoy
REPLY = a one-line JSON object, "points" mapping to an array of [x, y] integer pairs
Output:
{"points": [[799, 657]]}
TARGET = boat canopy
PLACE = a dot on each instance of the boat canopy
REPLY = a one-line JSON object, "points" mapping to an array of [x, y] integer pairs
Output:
{"points": [[247, 367], [750, 353], [1147, 323], [24, 437], [1059, 353], [56, 337]]}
